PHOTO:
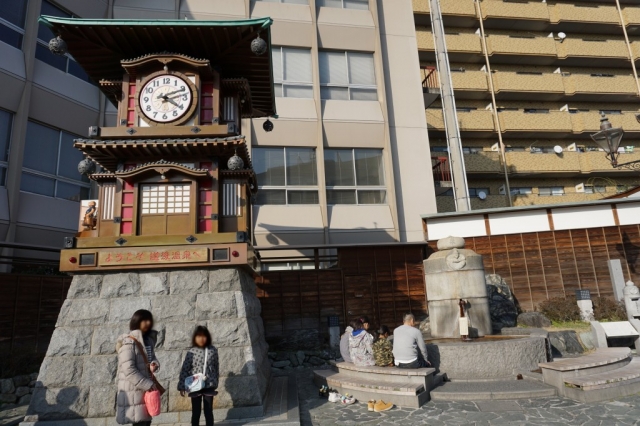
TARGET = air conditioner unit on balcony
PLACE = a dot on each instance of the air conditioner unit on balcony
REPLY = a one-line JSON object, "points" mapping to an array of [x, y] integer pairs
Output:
{"points": [[572, 148], [502, 190], [580, 188], [495, 147]]}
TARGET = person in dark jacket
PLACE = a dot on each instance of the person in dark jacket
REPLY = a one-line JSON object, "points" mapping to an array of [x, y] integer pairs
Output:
{"points": [[134, 377], [194, 363]]}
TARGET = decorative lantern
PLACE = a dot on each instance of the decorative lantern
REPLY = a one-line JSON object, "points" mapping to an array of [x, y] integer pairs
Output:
{"points": [[258, 46], [58, 46], [267, 126], [235, 163], [86, 167]]}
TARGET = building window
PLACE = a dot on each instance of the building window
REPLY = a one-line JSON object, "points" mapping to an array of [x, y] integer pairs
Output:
{"points": [[6, 120], [439, 149], [286, 1], [347, 76], [345, 4], [546, 191], [595, 189], [354, 176], [523, 190], [286, 175], [611, 111], [50, 165], [162, 199], [63, 63], [292, 72], [12, 17], [469, 150]]}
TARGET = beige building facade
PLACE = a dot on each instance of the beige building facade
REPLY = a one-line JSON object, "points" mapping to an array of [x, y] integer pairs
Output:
{"points": [[552, 68], [348, 160]]}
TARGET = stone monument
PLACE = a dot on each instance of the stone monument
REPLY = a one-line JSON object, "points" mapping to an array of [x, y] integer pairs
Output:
{"points": [[77, 377], [452, 274], [631, 296]]}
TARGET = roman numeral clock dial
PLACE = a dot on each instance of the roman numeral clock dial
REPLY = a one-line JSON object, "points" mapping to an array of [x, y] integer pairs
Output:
{"points": [[165, 98]]}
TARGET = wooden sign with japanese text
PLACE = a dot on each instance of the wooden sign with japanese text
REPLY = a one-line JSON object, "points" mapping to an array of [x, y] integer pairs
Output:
{"points": [[153, 256]]}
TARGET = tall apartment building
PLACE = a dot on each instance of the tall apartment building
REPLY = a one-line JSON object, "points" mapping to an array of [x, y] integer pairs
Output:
{"points": [[552, 67], [347, 162]]}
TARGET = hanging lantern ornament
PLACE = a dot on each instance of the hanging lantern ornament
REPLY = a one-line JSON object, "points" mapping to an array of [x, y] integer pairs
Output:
{"points": [[235, 162], [267, 126], [258, 46], [58, 46], [86, 167]]}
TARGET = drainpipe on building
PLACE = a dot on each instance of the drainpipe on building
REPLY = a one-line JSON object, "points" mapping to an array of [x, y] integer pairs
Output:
{"points": [[503, 156], [626, 37], [454, 142]]}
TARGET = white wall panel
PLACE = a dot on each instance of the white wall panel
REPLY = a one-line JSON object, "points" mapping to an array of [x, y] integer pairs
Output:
{"points": [[519, 222], [583, 217], [628, 214], [467, 226], [360, 217]]}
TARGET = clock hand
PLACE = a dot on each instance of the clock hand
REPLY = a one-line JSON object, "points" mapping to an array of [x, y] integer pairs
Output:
{"points": [[170, 100], [175, 91]]}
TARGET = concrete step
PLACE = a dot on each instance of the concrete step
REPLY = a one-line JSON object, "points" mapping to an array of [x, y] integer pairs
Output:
{"points": [[630, 373], [531, 375], [407, 394], [498, 389], [603, 359], [393, 371]]}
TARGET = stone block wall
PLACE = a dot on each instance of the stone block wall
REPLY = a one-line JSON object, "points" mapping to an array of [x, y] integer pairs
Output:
{"points": [[78, 376]]}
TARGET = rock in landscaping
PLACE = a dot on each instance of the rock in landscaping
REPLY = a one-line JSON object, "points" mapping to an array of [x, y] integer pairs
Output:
{"points": [[6, 386], [293, 358], [8, 397], [24, 400], [502, 306], [565, 343], [22, 391], [534, 319], [300, 355], [280, 364], [425, 326], [315, 361], [21, 380]]}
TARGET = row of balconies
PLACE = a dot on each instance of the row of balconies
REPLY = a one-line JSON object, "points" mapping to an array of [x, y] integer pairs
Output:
{"points": [[555, 83], [521, 121], [526, 162], [556, 13], [538, 46]]}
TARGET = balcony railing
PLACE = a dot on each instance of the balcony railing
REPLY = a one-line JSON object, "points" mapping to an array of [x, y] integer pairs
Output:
{"points": [[467, 42], [552, 121], [586, 84], [592, 48], [517, 82], [519, 10], [429, 78], [448, 7], [472, 121], [563, 12], [525, 45], [441, 170]]}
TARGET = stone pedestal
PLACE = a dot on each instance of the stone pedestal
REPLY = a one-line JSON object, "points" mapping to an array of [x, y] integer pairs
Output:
{"points": [[77, 377], [451, 274]]}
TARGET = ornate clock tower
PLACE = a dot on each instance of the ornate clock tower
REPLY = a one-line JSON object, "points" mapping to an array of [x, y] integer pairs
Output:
{"points": [[170, 229]]}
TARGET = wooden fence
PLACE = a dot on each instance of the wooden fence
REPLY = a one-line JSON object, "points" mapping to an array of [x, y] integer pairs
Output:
{"points": [[29, 308], [381, 282]]}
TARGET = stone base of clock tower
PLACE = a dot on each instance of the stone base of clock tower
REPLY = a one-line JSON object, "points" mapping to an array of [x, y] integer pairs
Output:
{"points": [[77, 379]]}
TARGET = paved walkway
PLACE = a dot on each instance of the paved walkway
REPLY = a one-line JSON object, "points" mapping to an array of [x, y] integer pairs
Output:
{"points": [[544, 411]]}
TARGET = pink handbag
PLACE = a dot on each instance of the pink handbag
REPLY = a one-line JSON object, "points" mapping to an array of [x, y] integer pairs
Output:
{"points": [[152, 402]]}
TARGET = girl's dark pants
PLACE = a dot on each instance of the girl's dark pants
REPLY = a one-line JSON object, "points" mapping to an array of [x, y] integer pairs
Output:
{"points": [[196, 409]]}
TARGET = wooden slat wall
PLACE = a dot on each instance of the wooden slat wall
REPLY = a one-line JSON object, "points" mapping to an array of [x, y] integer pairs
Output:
{"points": [[382, 283], [29, 309], [544, 265]]}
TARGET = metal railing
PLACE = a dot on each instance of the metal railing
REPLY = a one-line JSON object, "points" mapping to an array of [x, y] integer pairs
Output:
{"points": [[429, 77], [441, 170]]}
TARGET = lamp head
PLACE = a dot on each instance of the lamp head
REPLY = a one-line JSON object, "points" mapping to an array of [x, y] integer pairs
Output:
{"points": [[609, 138]]}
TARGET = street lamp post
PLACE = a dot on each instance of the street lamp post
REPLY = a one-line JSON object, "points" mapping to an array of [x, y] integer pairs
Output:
{"points": [[609, 138]]}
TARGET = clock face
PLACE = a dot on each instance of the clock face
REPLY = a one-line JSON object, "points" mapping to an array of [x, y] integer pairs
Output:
{"points": [[165, 98]]}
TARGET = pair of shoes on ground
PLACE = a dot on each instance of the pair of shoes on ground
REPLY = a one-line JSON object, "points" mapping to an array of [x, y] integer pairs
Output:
{"points": [[324, 391], [379, 406], [342, 399]]}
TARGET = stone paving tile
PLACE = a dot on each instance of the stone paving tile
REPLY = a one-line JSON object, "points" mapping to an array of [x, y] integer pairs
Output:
{"points": [[541, 411]]}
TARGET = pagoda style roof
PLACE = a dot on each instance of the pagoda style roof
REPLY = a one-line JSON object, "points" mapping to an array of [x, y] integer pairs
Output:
{"points": [[108, 153], [99, 46]]}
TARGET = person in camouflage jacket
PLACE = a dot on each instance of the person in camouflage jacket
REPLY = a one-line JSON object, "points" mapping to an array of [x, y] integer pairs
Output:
{"points": [[383, 348]]}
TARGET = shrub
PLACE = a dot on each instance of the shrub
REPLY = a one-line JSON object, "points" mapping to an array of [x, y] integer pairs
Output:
{"points": [[560, 309], [605, 309]]}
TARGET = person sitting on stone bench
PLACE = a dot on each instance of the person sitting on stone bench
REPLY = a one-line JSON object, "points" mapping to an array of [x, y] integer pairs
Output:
{"points": [[409, 349], [383, 348], [344, 340], [361, 346]]}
